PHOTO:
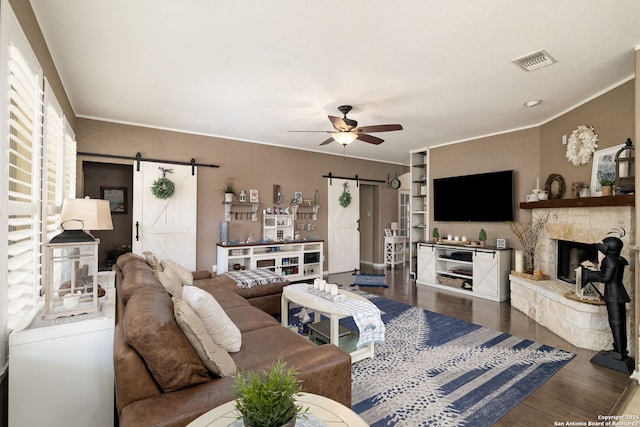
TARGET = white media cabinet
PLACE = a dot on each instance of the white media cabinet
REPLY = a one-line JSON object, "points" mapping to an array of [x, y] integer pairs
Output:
{"points": [[297, 260], [452, 267]]}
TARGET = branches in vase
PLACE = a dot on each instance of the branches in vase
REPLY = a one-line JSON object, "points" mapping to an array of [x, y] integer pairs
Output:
{"points": [[528, 234]]}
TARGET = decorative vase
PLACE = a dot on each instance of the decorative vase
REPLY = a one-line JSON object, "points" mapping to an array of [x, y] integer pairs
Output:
{"points": [[228, 197], [607, 190]]}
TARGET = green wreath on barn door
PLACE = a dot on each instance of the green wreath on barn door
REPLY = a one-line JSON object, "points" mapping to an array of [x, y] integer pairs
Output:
{"points": [[345, 197], [163, 188]]}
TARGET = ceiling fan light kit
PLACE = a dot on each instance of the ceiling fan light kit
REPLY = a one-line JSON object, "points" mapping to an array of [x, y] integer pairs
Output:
{"points": [[347, 130], [344, 138]]}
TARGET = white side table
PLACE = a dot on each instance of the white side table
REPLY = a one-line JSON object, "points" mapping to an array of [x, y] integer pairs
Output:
{"points": [[61, 370], [328, 411], [394, 250]]}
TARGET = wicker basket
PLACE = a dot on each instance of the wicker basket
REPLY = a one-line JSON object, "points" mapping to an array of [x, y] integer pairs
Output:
{"points": [[454, 282]]}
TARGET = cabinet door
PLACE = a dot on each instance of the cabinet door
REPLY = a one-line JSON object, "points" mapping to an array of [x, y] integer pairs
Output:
{"points": [[270, 262], [486, 274], [427, 263]]}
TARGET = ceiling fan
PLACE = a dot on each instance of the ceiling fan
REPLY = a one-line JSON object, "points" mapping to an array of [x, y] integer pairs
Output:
{"points": [[347, 130]]}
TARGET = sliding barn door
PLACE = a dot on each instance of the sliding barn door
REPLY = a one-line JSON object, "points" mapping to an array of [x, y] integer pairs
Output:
{"points": [[167, 227], [344, 227]]}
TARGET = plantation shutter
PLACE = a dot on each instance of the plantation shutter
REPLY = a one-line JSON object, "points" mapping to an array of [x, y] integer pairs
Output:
{"points": [[23, 142], [54, 170]]}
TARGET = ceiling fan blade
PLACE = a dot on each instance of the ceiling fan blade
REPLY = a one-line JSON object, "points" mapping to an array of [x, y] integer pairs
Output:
{"points": [[339, 124], [370, 139], [328, 141], [380, 128]]}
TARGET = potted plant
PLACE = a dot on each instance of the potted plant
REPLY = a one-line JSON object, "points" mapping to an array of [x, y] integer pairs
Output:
{"points": [[606, 180], [268, 399], [436, 234], [228, 191], [482, 236]]}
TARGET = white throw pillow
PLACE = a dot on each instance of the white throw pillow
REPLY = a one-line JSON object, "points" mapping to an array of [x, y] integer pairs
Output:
{"points": [[170, 282], [219, 326], [213, 356], [186, 277]]}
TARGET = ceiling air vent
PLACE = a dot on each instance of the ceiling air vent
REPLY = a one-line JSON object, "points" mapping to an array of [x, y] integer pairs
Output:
{"points": [[534, 60]]}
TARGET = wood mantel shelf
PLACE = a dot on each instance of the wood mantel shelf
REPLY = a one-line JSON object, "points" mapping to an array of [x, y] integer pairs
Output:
{"points": [[582, 202]]}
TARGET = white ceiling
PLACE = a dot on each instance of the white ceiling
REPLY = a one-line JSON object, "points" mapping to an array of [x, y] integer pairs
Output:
{"points": [[253, 70]]}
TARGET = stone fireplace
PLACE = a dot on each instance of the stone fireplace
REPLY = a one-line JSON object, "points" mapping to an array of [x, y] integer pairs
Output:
{"points": [[570, 255], [564, 241]]}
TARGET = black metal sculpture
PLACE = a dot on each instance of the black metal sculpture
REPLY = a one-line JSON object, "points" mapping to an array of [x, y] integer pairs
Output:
{"points": [[615, 297]]}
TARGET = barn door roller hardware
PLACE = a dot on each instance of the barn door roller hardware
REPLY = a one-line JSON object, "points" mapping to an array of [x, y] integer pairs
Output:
{"points": [[138, 158], [356, 179]]}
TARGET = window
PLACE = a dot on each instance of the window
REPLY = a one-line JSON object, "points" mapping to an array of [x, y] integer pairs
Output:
{"points": [[23, 150], [38, 169]]}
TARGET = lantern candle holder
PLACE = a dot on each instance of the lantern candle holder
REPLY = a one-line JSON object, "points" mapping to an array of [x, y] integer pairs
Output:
{"points": [[71, 279], [625, 168]]}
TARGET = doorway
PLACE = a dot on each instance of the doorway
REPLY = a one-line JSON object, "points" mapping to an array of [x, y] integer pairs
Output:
{"points": [[96, 177]]}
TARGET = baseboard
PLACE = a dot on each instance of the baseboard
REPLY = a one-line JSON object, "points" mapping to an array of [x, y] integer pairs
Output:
{"points": [[624, 399]]}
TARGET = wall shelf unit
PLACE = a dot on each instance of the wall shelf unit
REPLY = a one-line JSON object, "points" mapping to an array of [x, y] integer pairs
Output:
{"points": [[477, 271], [297, 260], [241, 211], [418, 206]]}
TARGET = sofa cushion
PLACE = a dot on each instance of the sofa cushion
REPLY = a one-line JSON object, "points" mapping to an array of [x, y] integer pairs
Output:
{"points": [[125, 258], [150, 328], [137, 275], [247, 318], [170, 282], [219, 326], [186, 278], [214, 357]]}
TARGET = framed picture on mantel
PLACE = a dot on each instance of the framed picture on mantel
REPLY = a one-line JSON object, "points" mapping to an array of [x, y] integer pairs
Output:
{"points": [[604, 163]]}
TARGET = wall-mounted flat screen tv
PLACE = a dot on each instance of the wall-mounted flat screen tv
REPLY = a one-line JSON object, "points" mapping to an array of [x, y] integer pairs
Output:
{"points": [[485, 197]]}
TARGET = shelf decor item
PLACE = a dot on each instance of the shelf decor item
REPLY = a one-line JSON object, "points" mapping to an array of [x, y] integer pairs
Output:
{"points": [[268, 399], [625, 168], [604, 166], [163, 188], [582, 143], [482, 236], [228, 191]]}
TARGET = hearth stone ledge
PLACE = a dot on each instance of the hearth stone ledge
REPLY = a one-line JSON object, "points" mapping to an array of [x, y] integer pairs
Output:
{"points": [[583, 325]]}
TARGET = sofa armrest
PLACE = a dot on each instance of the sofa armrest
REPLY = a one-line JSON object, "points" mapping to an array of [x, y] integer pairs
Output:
{"points": [[201, 274]]}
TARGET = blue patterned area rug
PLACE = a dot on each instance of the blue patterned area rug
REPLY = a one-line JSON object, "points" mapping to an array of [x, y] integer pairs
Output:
{"points": [[434, 370]]}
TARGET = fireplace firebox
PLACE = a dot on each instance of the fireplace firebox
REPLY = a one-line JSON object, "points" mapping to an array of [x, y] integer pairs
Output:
{"points": [[571, 255]]}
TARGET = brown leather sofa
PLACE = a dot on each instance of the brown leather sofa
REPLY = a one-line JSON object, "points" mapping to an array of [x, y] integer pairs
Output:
{"points": [[145, 309]]}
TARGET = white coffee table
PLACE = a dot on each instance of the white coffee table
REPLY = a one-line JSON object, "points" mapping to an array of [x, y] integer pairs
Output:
{"points": [[296, 293], [328, 411]]}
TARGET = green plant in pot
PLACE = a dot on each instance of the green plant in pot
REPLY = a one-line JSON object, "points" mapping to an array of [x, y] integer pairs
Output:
{"points": [[482, 236], [268, 399], [228, 190], [607, 180], [435, 234]]}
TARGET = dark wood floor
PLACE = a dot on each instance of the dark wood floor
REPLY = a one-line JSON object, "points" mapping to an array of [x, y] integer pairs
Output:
{"points": [[579, 392]]}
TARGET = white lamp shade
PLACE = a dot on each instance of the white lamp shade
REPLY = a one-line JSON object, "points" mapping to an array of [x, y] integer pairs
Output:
{"points": [[95, 214], [344, 138], [394, 226]]}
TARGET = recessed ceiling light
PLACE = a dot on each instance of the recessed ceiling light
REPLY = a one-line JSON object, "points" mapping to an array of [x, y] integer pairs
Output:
{"points": [[532, 103]]}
